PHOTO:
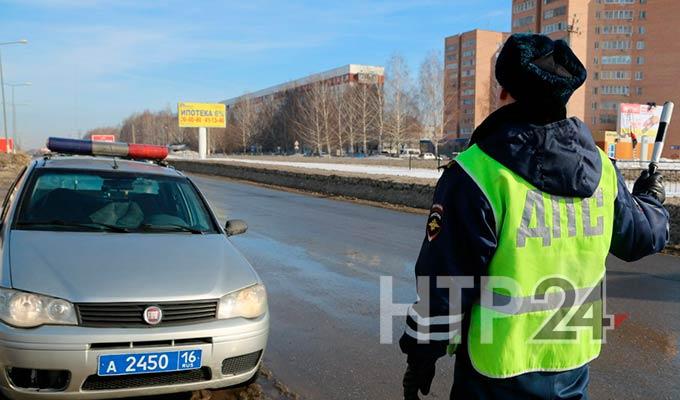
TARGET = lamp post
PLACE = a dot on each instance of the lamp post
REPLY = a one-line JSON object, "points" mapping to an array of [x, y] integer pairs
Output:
{"points": [[2, 89], [14, 111]]}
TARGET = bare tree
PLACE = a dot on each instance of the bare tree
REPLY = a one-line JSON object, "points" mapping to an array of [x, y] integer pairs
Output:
{"points": [[399, 102], [431, 95], [246, 120], [313, 114], [378, 105], [340, 109]]}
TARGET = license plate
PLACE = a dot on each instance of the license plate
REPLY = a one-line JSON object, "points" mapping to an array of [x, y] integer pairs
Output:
{"points": [[146, 363]]}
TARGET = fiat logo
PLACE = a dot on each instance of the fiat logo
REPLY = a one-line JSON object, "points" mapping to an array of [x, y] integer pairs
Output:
{"points": [[153, 315]]}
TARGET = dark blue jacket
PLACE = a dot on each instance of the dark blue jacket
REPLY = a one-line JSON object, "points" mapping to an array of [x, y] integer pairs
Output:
{"points": [[559, 158]]}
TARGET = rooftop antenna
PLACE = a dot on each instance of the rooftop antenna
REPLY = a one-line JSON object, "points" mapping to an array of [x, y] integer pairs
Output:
{"points": [[574, 28]]}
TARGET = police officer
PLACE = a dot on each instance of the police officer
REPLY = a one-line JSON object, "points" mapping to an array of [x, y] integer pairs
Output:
{"points": [[534, 201]]}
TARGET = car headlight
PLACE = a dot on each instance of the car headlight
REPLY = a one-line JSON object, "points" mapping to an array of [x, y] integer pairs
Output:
{"points": [[28, 310], [250, 302]]}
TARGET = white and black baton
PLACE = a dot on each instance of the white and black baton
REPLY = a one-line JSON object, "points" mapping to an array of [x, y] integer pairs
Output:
{"points": [[666, 114]]}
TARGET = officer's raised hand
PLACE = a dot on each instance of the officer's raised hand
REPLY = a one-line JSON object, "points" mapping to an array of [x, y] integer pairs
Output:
{"points": [[650, 184], [418, 377]]}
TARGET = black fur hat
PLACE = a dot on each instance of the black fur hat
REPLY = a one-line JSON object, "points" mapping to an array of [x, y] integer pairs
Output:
{"points": [[536, 69]]}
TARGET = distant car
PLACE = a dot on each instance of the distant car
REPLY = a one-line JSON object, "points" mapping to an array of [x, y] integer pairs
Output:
{"points": [[429, 156], [178, 147], [406, 153], [121, 282]]}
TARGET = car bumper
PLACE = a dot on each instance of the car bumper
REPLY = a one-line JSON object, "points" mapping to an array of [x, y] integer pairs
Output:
{"points": [[77, 349]]}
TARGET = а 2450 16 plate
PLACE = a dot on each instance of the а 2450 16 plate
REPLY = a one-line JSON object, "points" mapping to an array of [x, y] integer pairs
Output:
{"points": [[146, 363]]}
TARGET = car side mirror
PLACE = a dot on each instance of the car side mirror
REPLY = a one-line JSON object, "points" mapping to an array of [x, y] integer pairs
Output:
{"points": [[235, 227]]}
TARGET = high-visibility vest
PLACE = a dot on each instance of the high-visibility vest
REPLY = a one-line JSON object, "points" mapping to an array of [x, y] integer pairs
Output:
{"points": [[540, 309]]}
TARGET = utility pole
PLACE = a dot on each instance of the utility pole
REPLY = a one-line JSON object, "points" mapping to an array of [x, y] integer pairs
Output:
{"points": [[2, 89], [14, 112]]}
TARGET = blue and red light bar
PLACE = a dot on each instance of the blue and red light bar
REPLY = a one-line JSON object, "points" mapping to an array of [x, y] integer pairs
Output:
{"points": [[112, 149]]}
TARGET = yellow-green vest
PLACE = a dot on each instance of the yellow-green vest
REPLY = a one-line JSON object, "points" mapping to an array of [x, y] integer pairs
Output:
{"points": [[552, 248]]}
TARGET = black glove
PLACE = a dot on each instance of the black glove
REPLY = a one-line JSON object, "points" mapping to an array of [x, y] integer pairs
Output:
{"points": [[650, 184], [419, 375]]}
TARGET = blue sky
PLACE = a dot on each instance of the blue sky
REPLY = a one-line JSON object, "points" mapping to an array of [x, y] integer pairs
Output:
{"points": [[93, 63]]}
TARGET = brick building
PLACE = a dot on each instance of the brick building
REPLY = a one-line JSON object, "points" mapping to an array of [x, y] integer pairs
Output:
{"points": [[630, 48], [469, 86]]}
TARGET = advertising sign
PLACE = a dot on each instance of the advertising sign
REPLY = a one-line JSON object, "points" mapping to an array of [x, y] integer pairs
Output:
{"points": [[103, 138], [638, 119], [201, 115]]}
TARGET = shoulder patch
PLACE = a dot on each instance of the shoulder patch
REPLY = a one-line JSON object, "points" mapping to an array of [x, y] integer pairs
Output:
{"points": [[434, 222]]}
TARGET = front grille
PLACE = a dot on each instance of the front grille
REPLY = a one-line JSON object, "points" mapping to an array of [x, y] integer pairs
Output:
{"points": [[96, 382], [131, 314], [240, 364]]}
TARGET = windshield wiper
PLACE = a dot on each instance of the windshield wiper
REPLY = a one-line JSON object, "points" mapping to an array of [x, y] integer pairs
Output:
{"points": [[171, 228], [92, 225]]}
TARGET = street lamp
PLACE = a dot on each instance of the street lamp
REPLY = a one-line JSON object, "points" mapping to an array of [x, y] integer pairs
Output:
{"points": [[14, 110], [2, 89]]}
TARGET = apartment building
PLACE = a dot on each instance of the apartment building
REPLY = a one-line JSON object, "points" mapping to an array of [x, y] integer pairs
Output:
{"points": [[340, 77], [630, 48], [470, 84], [559, 19]]}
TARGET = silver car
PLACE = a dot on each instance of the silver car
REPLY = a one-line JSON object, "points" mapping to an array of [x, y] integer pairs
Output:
{"points": [[117, 280]]}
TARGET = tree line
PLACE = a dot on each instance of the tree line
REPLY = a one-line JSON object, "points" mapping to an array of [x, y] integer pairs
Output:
{"points": [[322, 118]]}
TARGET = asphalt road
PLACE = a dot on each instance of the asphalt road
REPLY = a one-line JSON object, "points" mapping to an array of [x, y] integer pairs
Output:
{"points": [[322, 259]]}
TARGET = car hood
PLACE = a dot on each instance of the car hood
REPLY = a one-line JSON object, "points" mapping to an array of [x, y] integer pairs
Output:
{"points": [[118, 267]]}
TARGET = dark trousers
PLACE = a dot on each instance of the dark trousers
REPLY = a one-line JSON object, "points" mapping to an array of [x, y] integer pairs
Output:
{"points": [[468, 384]]}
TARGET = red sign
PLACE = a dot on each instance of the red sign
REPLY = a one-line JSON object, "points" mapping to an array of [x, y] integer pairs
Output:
{"points": [[103, 138], [3, 145]]}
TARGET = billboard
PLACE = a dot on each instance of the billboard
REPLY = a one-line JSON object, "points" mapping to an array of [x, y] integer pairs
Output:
{"points": [[103, 138], [201, 115], [638, 119]]}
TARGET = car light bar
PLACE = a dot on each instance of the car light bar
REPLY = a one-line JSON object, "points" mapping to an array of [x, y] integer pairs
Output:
{"points": [[114, 149]]}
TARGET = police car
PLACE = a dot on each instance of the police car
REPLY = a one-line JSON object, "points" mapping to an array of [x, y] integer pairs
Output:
{"points": [[117, 280]]}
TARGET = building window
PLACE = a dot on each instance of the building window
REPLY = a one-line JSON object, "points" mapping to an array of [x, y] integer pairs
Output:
{"points": [[469, 43], [468, 92], [615, 45], [555, 12], [638, 76], [523, 21], [468, 63], [640, 60], [619, 1], [548, 1], [594, 106], [615, 90], [594, 90], [452, 66], [468, 72], [617, 30], [451, 48], [618, 14], [524, 6], [609, 105], [607, 60], [642, 30], [614, 75], [556, 27], [640, 45], [608, 118], [468, 53], [643, 14], [638, 91]]}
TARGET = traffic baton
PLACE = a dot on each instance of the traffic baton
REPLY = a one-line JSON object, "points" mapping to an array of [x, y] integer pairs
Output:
{"points": [[666, 114]]}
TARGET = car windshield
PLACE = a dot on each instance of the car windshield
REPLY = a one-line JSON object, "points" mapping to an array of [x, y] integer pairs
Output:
{"points": [[65, 200]]}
